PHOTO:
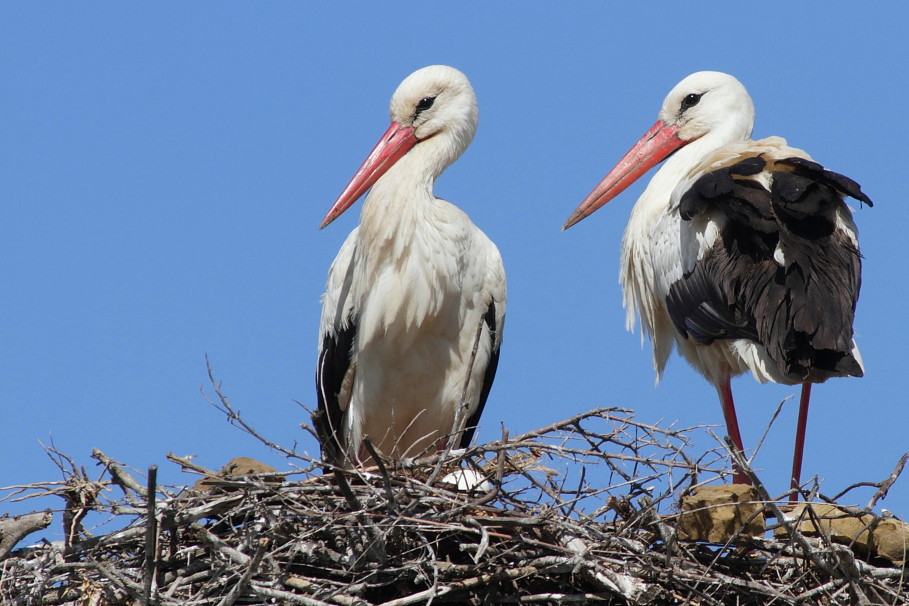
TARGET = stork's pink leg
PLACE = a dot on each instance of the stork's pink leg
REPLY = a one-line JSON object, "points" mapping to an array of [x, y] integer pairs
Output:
{"points": [[800, 438], [732, 425]]}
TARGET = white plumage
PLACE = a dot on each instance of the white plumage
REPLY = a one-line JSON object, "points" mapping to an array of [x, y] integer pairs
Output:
{"points": [[742, 254], [415, 299]]}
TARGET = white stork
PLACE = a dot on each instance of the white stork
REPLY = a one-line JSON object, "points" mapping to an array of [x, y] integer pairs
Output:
{"points": [[414, 307], [741, 253]]}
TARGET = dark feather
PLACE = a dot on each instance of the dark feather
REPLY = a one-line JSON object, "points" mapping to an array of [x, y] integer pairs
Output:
{"points": [[699, 310], [490, 318], [334, 363], [842, 183], [802, 311]]}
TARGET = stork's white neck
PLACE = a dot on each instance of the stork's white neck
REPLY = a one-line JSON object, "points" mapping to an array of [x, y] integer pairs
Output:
{"points": [[408, 249], [400, 202], [678, 167], [397, 203]]}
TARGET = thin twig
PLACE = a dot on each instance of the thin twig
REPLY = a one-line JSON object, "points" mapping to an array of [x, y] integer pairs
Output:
{"points": [[241, 585], [581, 510], [120, 476], [151, 536], [884, 486]]}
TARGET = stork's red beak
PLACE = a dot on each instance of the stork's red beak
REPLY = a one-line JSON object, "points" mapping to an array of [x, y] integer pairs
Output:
{"points": [[651, 149], [396, 141]]}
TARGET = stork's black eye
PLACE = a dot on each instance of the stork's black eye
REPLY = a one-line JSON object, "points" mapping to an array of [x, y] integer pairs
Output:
{"points": [[691, 100], [424, 104]]}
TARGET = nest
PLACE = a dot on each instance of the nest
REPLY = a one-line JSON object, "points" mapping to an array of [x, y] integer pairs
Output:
{"points": [[582, 511]]}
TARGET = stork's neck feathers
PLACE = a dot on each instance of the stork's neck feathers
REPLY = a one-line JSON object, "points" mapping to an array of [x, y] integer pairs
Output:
{"points": [[404, 233], [402, 201], [677, 167], [647, 212]]}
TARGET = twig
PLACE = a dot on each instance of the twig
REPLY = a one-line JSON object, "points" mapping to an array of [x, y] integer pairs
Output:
{"points": [[13, 530], [776, 413], [742, 464], [221, 547], [293, 598], [233, 417], [241, 585], [581, 510], [457, 426], [120, 476], [386, 481], [151, 536], [460, 419], [186, 463], [884, 486]]}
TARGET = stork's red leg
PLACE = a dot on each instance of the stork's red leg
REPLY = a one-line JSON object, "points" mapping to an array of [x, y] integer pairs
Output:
{"points": [[724, 388], [800, 438]]}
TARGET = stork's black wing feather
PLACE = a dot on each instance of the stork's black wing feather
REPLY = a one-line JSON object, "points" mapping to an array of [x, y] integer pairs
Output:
{"points": [[334, 364], [780, 273], [701, 305], [490, 319]]}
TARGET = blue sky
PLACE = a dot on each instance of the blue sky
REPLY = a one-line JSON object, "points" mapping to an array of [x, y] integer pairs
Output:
{"points": [[165, 168]]}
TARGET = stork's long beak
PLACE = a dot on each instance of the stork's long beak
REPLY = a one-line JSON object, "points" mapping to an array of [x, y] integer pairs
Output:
{"points": [[396, 141], [651, 149]]}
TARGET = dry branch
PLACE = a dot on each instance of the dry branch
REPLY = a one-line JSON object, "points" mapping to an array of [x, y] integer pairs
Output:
{"points": [[581, 511], [13, 530]]}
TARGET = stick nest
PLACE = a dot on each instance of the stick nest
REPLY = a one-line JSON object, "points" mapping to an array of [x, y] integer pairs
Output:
{"points": [[582, 511]]}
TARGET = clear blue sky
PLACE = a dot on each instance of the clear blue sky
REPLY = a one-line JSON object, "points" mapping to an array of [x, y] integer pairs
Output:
{"points": [[165, 167]]}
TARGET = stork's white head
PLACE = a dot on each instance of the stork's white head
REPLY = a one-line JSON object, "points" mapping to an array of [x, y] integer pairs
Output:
{"points": [[709, 102], [433, 119], [437, 100], [712, 108]]}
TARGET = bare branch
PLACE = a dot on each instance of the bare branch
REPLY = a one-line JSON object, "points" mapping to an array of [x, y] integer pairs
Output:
{"points": [[581, 511], [13, 530]]}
